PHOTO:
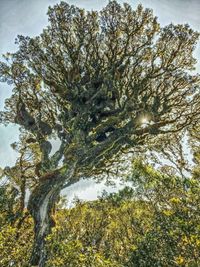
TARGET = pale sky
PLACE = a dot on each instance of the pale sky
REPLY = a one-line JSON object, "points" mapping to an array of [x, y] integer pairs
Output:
{"points": [[28, 17]]}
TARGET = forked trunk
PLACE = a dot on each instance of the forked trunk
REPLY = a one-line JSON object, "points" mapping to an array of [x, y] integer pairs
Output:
{"points": [[40, 205]]}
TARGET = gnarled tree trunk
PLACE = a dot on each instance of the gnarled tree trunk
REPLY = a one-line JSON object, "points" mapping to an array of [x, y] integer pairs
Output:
{"points": [[40, 205]]}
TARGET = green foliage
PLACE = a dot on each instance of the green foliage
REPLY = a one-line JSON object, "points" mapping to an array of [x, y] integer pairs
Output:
{"points": [[91, 79], [73, 253], [8, 196], [153, 223], [16, 244], [174, 238], [103, 84]]}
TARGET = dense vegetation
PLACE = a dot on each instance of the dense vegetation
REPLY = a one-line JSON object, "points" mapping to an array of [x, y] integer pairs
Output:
{"points": [[154, 222], [117, 92]]}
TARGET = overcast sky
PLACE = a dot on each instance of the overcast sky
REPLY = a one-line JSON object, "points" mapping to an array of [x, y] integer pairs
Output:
{"points": [[28, 17]]}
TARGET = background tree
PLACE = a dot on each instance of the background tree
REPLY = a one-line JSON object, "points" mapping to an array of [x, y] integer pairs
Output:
{"points": [[102, 83], [154, 222]]}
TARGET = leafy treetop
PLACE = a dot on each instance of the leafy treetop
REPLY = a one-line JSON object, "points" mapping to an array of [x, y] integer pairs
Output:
{"points": [[100, 82]]}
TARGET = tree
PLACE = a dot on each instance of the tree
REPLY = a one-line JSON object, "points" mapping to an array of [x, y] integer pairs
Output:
{"points": [[152, 223], [21, 176], [101, 83], [173, 238]]}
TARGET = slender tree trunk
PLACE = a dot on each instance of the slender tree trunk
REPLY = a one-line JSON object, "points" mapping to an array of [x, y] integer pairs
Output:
{"points": [[40, 205], [23, 194]]}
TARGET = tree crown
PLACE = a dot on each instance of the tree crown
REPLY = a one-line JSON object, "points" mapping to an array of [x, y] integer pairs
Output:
{"points": [[101, 82]]}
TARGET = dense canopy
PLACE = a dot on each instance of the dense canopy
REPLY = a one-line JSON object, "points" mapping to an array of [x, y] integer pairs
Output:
{"points": [[100, 83], [91, 78]]}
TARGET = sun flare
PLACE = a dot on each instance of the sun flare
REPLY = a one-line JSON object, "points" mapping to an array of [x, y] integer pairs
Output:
{"points": [[144, 121]]}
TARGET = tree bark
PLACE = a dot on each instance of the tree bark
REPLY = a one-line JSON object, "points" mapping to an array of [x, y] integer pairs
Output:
{"points": [[40, 205], [23, 194]]}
